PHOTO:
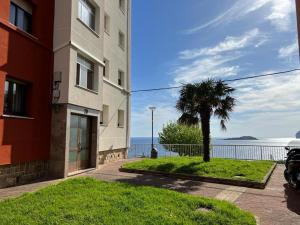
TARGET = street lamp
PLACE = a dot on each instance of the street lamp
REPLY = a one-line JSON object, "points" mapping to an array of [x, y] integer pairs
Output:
{"points": [[153, 150]]}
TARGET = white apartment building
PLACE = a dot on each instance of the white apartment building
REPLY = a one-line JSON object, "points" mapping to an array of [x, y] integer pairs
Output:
{"points": [[91, 84]]}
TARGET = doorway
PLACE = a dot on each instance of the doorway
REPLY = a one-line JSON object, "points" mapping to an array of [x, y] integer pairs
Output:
{"points": [[80, 143]]}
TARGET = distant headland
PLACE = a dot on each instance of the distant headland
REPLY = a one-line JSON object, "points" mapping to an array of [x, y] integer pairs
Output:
{"points": [[243, 138], [298, 135]]}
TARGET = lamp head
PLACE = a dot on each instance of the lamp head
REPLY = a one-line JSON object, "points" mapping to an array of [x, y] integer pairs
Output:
{"points": [[152, 108]]}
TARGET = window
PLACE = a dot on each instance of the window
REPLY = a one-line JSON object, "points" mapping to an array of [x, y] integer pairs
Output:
{"points": [[121, 40], [86, 13], [85, 73], [15, 98], [104, 116], [101, 118], [20, 18], [122, 5], [106, 69], [107, 23], [121, 119], [121, 76]]}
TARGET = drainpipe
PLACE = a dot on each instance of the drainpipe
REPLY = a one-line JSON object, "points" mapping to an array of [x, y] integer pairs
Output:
{"points": [[128, 73]]}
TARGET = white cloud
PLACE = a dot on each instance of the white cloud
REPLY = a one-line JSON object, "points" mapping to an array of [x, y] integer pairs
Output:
{"points": [[270, 94], [277, 12], [289, 51], [214, 22], [266, 107], [200, 69], [229, 44], [280, 14], [215, 61]]}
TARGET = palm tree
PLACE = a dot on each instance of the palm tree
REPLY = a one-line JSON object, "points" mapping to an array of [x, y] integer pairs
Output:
{"points": [[199, 102]]}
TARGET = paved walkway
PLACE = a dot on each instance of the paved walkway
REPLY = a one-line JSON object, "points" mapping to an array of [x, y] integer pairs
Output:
{"points": [[276, 205]]}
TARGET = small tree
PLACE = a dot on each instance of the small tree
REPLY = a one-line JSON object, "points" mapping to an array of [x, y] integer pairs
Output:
{"points": [[176, 134], [199, 102]]}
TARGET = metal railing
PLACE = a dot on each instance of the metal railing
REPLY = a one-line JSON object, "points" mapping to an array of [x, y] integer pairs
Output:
{"points": [[244, 152]]}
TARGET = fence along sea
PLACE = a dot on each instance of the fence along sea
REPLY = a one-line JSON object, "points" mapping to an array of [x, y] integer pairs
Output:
{"points": [[261, 149]]}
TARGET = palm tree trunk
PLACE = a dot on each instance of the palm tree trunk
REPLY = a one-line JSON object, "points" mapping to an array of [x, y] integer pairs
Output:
{"points": [[205, 125]]}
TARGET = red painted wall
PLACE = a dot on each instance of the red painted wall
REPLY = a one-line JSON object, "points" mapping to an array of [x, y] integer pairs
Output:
{"points": [[30, 59]]}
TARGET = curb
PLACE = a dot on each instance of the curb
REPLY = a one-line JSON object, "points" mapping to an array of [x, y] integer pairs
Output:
{"points": [[240, 183]]}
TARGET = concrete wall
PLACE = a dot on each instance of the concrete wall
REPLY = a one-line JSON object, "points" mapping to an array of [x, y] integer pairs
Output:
{"points": [[116, 97], [73, 37]]}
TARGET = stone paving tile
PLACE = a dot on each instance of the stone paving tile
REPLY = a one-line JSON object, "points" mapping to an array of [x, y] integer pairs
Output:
{"points": [[276, 205], [19, 190], [231, 194]]}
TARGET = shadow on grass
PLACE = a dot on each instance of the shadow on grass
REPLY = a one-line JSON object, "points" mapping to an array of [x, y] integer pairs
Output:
{"points": [[191, 168], [167, 167], [184, 186]]}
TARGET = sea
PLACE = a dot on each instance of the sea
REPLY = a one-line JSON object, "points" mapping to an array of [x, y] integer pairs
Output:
{"points": [[223, 141], [261, 149]]}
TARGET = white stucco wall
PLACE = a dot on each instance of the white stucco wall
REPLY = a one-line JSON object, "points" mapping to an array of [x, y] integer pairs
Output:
{"points": [[71, 37], [112, 137]]}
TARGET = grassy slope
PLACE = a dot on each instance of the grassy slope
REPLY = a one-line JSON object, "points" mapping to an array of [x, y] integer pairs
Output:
{"points": [[220, 168], [87, 201]]}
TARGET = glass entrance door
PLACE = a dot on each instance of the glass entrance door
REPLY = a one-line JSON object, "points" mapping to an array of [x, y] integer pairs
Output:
{"points": [[80, 135]]}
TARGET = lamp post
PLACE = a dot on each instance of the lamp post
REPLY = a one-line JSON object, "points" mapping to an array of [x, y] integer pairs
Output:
{"points": [[153, 150]]}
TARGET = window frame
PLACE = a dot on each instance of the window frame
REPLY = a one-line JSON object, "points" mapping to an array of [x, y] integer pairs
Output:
{"points": [[121, 120], [106, 68], [107, 23], [29, 18], [91, 12], [101, 118], [122, 7], [121, 78], [9, 98], [105, 116], [122, 40], [90, 71]]}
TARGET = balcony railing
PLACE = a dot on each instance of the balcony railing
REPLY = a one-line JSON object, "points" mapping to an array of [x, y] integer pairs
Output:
{"points": [[243, 152]]}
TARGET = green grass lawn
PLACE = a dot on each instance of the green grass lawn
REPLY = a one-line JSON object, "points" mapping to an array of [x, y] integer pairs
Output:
{"points": [[217, 168], [88, 201]]}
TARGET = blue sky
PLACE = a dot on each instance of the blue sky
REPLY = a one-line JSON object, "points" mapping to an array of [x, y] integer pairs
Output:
{"points": [[176, 41]]}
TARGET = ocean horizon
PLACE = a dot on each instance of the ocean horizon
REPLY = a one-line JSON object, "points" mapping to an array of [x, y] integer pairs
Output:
{"points": [[222, 141], [261, 149]]}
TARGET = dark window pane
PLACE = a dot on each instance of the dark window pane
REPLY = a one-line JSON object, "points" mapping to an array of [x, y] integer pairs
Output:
{"points": [[6, 97], [90, 80], [12, 16], [27, 23], [78, 74], [104, 68], [20, 18], [15, 98], [19, 99]]}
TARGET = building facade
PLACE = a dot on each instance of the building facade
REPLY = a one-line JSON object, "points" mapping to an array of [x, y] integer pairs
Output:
{"points": [[91, 84], [65, 86], [26, 65]]}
